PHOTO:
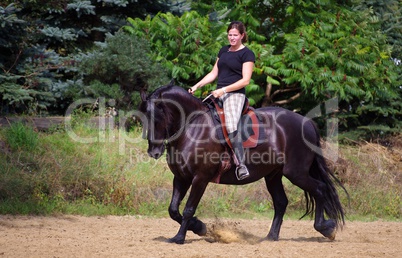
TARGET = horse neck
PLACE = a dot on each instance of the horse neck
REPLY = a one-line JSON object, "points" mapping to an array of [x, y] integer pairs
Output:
{"points": [[185, 111]]}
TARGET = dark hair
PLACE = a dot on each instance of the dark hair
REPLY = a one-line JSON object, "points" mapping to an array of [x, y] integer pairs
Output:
{"points": [[240, 27]]}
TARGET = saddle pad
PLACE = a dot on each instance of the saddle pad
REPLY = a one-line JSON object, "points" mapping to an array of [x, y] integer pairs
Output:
{"points": [[248, 127]]}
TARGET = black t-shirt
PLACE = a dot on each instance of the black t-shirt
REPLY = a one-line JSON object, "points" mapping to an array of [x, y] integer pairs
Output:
{"points": [[230, 66]]}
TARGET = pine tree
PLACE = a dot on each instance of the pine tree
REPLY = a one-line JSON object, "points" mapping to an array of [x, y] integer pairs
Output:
{"points": [[120, 73], [41, 44]]}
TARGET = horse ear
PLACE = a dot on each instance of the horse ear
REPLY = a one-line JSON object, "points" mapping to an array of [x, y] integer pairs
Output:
{"points": [[171, 82], [143, 95]]}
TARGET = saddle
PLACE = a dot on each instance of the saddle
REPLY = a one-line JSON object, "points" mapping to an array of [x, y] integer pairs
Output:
{"points": [[248, 126]]}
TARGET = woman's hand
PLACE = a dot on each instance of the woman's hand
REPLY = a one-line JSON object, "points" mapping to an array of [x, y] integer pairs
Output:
{"points": [[218, 93], [192, 90]]}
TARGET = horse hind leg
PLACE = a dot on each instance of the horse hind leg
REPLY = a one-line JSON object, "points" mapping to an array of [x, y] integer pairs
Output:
{"points": [[330, 204], [280, 201], [316, 194], [327, 227]]}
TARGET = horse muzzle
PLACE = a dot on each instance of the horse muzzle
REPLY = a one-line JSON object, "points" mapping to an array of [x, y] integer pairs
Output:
{"points": [[156, 151]]}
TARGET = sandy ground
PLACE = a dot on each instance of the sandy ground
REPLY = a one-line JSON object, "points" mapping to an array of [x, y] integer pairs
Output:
{"points": [[128, 236]]}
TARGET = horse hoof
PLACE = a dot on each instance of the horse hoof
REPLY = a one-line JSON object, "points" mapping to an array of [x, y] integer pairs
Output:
{"points": [[271, 238], [332, 235], [328, 229], [267, 239], [176, 240], [329, 233], [201, 229]]}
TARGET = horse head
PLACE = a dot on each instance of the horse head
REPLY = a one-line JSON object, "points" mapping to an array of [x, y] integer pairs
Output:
{"points": [[164, 115], [154, 126]]}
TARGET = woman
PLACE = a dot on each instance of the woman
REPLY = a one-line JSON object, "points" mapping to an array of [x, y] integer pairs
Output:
{"points": [[233, 68]]}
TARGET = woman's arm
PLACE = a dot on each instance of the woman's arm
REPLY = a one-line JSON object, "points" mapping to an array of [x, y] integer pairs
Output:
{"points": [[210, 77]]}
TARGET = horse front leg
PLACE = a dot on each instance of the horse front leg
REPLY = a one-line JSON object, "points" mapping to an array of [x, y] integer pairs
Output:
{"points": [[189, 222], [180, 188]]}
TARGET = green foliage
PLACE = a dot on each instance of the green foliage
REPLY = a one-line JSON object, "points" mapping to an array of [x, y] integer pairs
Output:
{"points": [[186, 45], [9, 22], [109, 91], [19, 136], [82, 8], [307, 52], [389, 14], [26, 90], [117, 72], [41, 43], [341, 54], [58, 34], [336, 58]]}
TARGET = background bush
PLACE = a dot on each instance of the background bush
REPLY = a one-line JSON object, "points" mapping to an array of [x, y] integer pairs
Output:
{"points": [[306, 53], [61, 175]]}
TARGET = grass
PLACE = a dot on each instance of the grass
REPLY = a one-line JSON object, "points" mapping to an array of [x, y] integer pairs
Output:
{"points": [[55, 174], [373, 174]]}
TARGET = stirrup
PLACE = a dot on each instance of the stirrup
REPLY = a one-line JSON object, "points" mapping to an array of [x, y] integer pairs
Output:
{"points": [[242, 172]]}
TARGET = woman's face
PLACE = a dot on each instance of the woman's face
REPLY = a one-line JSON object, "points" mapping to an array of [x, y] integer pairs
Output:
{"points": [[235, 37]]}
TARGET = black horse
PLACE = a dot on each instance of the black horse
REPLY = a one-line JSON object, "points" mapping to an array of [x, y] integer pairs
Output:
{"points": [[176, 121]]}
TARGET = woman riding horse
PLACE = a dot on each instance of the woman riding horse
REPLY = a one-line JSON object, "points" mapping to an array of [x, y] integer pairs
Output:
{"points": [[180, 123]]}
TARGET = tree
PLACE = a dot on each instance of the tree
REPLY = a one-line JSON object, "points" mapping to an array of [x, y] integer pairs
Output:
{"points": [[317, 50], [341, 54], [187, 45], [389, 14], [120, 73], [41, 42], [26, 90]]}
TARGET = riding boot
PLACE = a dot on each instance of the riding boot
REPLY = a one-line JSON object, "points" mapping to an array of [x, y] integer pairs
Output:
{"points": [[237, 147]]}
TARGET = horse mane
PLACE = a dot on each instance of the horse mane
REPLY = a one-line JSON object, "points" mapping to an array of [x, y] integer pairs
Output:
{"points": [[177, 92], [171, 88], [174, 93], [156, 94]]}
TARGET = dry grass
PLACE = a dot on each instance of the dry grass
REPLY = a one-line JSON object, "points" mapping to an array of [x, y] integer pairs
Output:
{"points": [[61, 171], [372, 174]]}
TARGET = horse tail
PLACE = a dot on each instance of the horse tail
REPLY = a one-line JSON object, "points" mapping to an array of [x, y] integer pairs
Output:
{"points": [[320, 171]]}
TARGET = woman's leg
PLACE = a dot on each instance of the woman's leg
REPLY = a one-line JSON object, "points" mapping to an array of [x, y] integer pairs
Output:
{"points": [[233, 105]]}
